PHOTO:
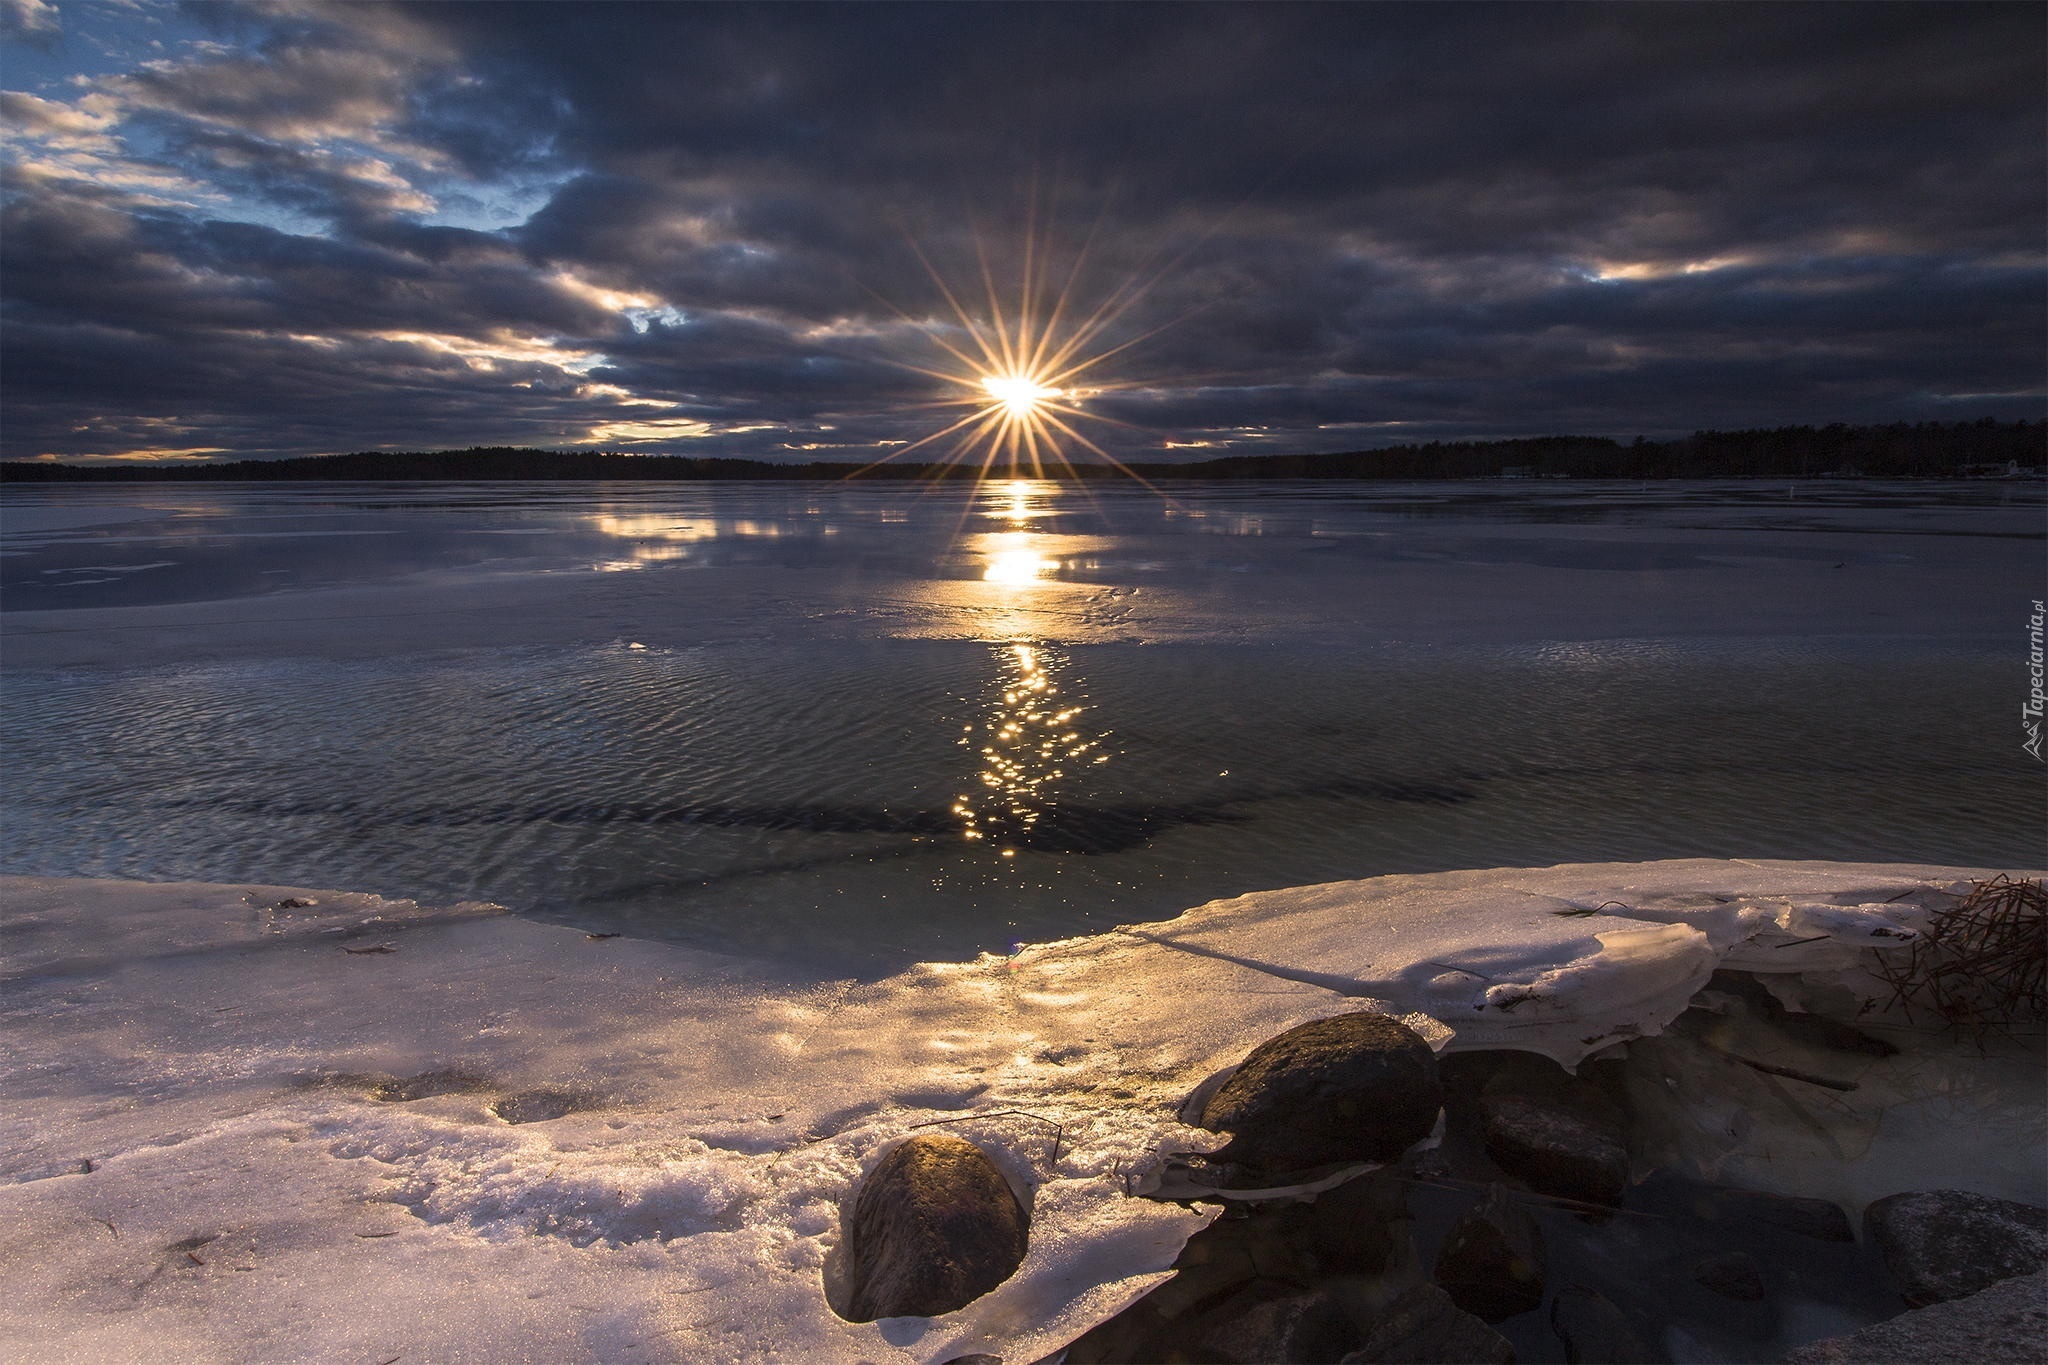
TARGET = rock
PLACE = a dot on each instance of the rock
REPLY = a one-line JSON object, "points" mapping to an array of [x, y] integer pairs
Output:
{"points": [[1595, 1332], [1732, 1275], [428, 1084], [2003, 1325], [1465, 1075], [1251, 1252], [1568, 1142], [536, 1106], [1270, 1323], [934, 1226], [1815, 1218], [1423, 1327], [1431, 1165], [1491, 1263], [1362, 1227], [1355, 1087], [1943, 1244]]}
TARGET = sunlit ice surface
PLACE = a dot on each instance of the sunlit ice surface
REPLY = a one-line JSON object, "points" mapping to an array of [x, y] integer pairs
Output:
{"points": [[752, 737]]}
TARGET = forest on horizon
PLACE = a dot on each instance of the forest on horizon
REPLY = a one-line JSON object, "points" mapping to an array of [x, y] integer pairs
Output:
{"points": [[1986, 447]]}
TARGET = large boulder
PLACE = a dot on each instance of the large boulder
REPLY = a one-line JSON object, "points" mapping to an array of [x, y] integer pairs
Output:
{"points": [[1355, 1087], [1491, 1263], [1943, 1244], [933, 1227], [2003, 1325], [1423, 1327]]}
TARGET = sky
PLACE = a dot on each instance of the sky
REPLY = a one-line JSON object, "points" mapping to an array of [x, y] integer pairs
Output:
{"points": [[775, 231]]}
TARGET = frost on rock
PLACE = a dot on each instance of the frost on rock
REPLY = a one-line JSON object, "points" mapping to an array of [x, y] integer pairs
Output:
{"points": [[499, 1139]]}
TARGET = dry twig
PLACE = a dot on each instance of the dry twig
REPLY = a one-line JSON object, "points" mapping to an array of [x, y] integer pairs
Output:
{"points": [[1982, 964]]}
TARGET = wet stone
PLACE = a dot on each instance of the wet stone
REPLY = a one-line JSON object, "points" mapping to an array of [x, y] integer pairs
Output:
{"points": [[1362, 1227], [1815, 1218], [1355, 1087], [1943, 1244], [1595, 1332], [1423, 1327], [932, 1228], [1733, 1275], [1491, 1263]]}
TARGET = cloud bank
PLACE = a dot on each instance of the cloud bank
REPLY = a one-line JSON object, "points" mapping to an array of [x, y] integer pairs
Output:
{"points": [[291, 228]]}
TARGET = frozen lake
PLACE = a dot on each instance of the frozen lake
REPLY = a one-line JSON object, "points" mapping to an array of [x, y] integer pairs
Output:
{"points": [[854, 726]]}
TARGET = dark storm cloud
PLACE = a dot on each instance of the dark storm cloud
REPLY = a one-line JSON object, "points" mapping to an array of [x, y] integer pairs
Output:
{"points": [[690, 228]]}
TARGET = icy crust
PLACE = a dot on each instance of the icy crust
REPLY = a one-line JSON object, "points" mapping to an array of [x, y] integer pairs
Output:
{"points": [[243, 1129], [1562, 961]]}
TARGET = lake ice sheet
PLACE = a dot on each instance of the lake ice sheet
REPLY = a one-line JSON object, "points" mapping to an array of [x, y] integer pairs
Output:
{"points": [[757, 718]]}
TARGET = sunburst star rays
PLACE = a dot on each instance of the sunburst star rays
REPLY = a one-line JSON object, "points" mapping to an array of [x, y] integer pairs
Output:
{"points": [[1022, 366]]}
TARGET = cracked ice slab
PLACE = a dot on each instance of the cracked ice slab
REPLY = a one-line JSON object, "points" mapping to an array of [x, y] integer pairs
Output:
{"points": [[1561, 961]]}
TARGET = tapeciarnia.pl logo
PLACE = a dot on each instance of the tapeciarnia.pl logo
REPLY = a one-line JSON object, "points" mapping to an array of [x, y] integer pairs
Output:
{"points": [[2030, 714]]}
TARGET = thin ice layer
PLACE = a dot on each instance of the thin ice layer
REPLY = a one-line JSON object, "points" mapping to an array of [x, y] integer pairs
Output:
{"points": [[242, 1130]]}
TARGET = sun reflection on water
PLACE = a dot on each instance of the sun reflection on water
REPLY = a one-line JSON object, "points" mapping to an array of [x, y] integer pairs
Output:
{"points": [[663, 537], [1015, 560], [1019, 501], [1014, 557], [1030, 742]]}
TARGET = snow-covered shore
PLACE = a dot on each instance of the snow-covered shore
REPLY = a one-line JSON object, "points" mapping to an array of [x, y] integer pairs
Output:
{"points": [[268, 1123]]}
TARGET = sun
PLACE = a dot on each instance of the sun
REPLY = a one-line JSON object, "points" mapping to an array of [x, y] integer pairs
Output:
{"points": [[1021, 361], [1020, 395]]}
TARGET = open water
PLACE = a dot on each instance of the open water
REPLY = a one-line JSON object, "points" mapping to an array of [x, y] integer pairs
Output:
{"points": [[854, 726]]}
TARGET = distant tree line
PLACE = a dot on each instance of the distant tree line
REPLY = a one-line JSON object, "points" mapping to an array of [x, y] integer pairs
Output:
{"points": [[1903, 449], [1900, 450]]}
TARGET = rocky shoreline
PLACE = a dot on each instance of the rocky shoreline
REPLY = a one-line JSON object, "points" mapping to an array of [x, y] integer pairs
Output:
{"points": [[1626, 1111], [1521, 1236], [1549, 1230], [1496, 1209]]}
